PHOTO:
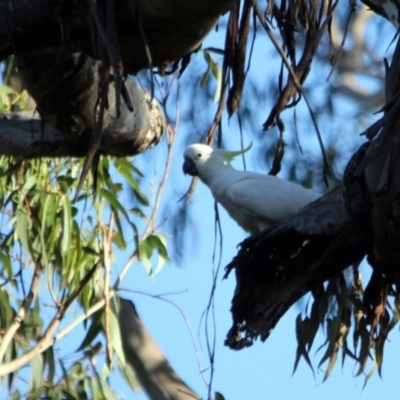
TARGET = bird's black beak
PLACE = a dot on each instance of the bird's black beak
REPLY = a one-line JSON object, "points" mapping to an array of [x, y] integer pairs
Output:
{"points": [[189, 167]]}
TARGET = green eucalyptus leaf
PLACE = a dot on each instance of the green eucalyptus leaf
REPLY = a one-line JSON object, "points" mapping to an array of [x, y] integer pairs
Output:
{"points": [[216, 71], [36, 372], [6, 263], [123, 163], [23, 226], [94, 329], [65, 375], [66, 227], [144, 252], [138, 212], [16, 395], [159, 243], [49, 362], [4, 89], [116, 341], [114, 203], [129, 375]]}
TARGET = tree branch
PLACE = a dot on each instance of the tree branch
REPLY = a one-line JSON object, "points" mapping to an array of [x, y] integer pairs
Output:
{"points": [[277, 267], [26, 304], [64, 75], [153, 370], [174, 28], [23, 134], [47, 339]]}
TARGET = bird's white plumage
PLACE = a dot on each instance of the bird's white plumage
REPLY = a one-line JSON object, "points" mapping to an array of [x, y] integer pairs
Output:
{"points": [[253, 200]]}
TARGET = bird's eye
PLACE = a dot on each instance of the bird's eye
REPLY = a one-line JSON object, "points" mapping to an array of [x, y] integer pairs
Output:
{"points": [[199, 155]]}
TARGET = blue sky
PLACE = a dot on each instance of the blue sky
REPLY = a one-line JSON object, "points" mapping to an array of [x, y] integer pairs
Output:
{"points": [[264, 371]]}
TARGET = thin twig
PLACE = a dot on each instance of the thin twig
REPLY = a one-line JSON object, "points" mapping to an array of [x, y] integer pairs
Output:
{"points": [[211, 344], [47, 340], [107, 240], [100, 304], [185, 319], [346, 29], [26, 304], [296, 81], [88, 313], [171, 132]]}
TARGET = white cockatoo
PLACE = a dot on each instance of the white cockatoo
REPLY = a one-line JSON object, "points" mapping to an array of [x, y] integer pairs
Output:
{"points": [[255, 201]]}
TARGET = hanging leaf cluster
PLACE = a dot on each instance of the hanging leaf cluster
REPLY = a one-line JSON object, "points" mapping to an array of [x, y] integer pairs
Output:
{"points": [[52, 254]]}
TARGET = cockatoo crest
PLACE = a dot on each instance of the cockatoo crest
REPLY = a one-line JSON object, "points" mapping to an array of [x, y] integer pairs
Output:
{"points": [[230, 155]]}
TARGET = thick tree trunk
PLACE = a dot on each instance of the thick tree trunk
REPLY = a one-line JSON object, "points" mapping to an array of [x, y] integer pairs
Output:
{"points": [[70, 53], [173, 28]]}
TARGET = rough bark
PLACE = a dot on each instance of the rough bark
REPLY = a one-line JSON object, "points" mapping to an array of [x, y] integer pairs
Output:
{"points": [[153, 370], [173, 28], [378, 179], [72, 53], [66, 95], [276, 268], [24, 134]]}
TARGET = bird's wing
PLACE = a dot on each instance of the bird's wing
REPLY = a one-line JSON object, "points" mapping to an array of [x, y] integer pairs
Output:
{"points": [[267, 196]]}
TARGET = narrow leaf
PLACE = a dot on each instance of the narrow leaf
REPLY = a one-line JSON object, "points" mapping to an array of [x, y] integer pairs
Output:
{"points": [[116, 337], [22, 228], [36, 372], [66, 231], [129, 375], [144, 252], [92, 332], [113, 202]]}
